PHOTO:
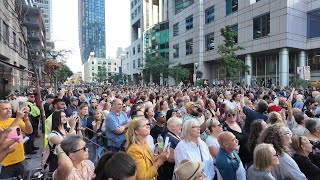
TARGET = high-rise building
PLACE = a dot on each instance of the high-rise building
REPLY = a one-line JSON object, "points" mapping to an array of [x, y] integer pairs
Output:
{"points": [[278, 36], [146, 17], [46, 8], [92, 28]]}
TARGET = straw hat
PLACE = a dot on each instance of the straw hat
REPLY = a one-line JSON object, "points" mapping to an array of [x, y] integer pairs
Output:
{"points": [[188, 169]]}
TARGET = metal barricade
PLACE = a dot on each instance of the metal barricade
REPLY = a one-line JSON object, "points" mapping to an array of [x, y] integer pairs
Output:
{"points": [[93, 144]]}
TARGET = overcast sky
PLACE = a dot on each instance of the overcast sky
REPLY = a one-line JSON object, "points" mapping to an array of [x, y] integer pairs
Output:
{"points": [[65, 28]]}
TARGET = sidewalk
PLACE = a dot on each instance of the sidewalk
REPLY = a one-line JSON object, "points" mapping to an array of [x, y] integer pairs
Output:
{"points": [[33, 161]]}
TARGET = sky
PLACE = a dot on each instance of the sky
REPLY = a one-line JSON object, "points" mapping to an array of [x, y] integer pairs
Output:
{"points": [[65, 28]]}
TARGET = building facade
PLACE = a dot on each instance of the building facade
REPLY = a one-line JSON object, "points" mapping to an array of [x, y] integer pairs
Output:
{"points": [[278, 36], [46, 8], [93, 65], [14, 64], [92, 28], [144, 15]]}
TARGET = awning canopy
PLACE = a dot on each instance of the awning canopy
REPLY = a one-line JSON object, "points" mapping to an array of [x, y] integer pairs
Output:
{"points": [[12, 65]]}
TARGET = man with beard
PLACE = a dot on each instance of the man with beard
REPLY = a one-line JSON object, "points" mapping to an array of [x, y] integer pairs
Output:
{"points": [[194, 111]]}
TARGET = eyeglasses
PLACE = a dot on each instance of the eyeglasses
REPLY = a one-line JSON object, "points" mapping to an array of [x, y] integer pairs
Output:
{"points": [[195, 127], [229, 115], [84, 149], [148, 124], [93, 102]]}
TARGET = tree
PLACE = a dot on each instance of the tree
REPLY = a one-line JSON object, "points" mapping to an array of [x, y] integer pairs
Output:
{"points": [[162, 67], [114, 78], [228, 61], [179, 73], [64, 73], [102, 74]]}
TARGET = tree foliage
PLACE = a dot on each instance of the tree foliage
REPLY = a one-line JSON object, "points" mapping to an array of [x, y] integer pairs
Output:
{"points": [[228, 61], [102, 74], [179, 73], [163, 67], [64, 73]]}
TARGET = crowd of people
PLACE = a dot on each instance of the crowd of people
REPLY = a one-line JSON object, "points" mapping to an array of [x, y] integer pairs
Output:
{"points": [[165, 132]]}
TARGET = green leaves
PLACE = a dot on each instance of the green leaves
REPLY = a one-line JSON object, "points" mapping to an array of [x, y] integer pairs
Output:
{"points": [[102, 74], [228, 61]]}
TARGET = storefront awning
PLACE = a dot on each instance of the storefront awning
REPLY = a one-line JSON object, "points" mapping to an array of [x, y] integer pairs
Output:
{"points": [[3, 62]]}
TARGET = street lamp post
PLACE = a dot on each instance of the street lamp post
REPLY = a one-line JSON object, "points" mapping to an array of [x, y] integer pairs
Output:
{"points": [[54, 55], [195, 67]]}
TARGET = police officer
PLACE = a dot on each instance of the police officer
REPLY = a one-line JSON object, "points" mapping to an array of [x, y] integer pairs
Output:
{"points": [[34, 116]]}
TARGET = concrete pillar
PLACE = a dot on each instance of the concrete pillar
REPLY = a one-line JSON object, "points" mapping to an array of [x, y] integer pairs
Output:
{"points": [[284, 67], [248, 62], [201, 38], [150, 13], [302, 62], [160, 10]]}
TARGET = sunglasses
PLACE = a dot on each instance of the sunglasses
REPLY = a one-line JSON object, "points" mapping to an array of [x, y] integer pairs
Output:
{"points": [[229, 115], [276, 155], [83, 149], [198, 127]]}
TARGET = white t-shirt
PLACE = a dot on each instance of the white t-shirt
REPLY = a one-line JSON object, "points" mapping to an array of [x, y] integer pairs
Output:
{"points": [[211, 141], [54, 134]]}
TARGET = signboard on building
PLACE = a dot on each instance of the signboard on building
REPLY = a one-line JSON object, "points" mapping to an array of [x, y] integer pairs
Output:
{"points": [[299, 70], [306, 72]]}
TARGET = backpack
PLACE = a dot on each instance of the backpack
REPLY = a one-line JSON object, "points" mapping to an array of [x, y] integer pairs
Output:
{"points": [[46, 155]]}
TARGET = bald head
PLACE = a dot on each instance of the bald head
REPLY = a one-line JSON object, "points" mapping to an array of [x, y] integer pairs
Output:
{"points": [[117, 105], [227, 141]]}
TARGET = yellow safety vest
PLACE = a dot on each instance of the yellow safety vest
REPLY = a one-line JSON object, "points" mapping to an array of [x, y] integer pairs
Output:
{"points": [[47, 125], [34, 110]]}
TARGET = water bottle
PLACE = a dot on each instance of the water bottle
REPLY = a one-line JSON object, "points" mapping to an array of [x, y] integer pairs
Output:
{"points": [[160, 141]]}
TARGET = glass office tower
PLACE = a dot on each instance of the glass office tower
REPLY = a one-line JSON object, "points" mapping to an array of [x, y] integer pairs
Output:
{"points": [[92, 28]]}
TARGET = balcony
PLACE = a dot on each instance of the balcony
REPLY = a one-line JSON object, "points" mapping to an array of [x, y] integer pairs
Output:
{"points": [[34, 36], [30, 22]]}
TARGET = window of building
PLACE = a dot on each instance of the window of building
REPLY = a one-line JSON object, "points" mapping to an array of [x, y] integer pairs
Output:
{"points": [[176, 51], [104, 63], [133, 51], [189, 22], [209, 41], [134, 64], [139, 65], [127, 66], [189, 46], [139, 9], [14, 40], [138, 48], [132, 4], [109, 68], [109, 63], [132, 16], [21, 47], [176, 29], [209, 14], [115, 69], [6, 33], [5, 3], [115, 64], [92, 62], [261, 26], [314, 24], [180, 5], [99, 68], [231, 6], [235, 29], [92, 74], [92, 68]]}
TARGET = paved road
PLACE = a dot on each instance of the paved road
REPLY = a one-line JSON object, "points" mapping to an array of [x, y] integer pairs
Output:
{"points": [[33, 161]]}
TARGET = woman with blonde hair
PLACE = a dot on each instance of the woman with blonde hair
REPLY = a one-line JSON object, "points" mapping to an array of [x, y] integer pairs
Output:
{"points": [[303, 148], [215, 128], [138, 148], [191, 147], [264, 158]]}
